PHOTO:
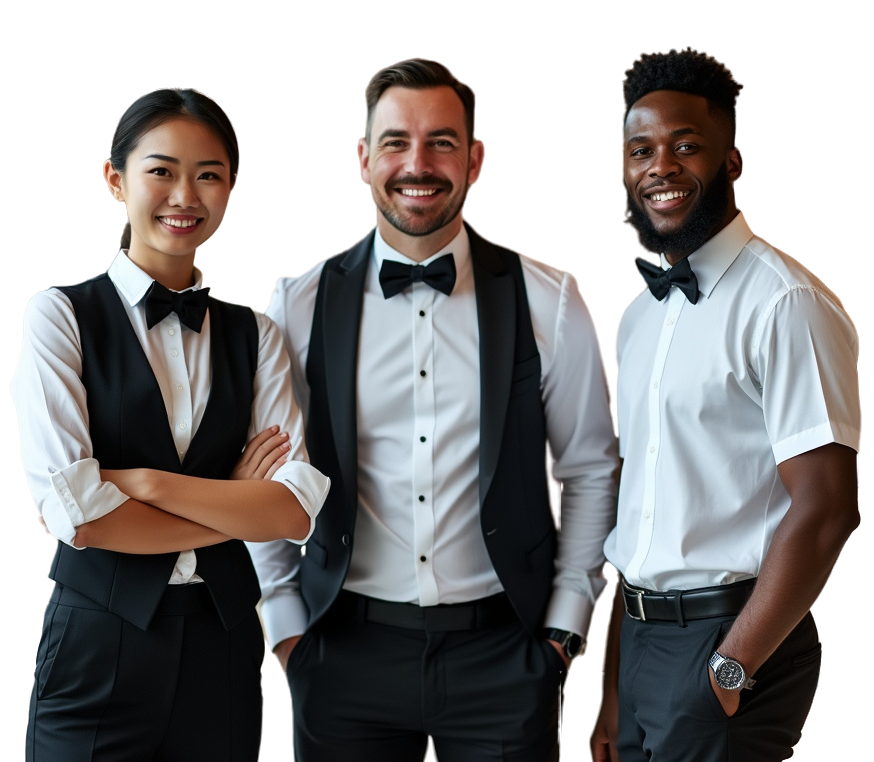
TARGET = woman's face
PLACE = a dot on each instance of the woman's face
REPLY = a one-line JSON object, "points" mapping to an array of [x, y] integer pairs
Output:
{"points": [[176, 184]]}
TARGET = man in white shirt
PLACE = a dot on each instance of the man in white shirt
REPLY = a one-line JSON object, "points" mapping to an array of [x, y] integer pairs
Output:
{"points": [[436, 597], [738, 407]]}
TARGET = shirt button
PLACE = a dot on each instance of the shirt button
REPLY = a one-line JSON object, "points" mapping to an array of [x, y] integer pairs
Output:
{"points": [[179, 387], [646, 515], [423, 558], [670, 321], [172, 332], [655, 384], [422, 313], [422, 373], [652, 448], [346, 539], [421, 498], [422, 439], [174, 353], [183, 425]]}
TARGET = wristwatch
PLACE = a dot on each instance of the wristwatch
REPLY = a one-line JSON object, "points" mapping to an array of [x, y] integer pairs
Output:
{"points": [[571, 643], [729, 673]]}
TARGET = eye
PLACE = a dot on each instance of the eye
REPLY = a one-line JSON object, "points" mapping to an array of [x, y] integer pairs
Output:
{"points": [[209, 176], [160, 171], [687, 148], [393, 144], [641, 152]]}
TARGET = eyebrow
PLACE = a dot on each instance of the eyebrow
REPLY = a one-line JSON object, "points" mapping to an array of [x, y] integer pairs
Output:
{"points": [[439, 133], [172, 160], [678, 133]]}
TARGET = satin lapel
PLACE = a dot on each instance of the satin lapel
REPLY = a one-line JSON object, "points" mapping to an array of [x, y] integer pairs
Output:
{"points": [[341, 321], [496, 316]]}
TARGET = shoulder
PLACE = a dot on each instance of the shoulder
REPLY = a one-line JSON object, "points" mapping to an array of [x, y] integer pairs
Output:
{"points": [[785, 292]]}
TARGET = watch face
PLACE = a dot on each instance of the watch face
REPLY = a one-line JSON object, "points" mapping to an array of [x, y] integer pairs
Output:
{"points": [[730, 675]]}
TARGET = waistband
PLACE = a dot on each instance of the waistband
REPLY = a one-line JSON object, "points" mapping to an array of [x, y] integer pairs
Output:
{"points": [[485, 613], [177, 600], [682, 605]]}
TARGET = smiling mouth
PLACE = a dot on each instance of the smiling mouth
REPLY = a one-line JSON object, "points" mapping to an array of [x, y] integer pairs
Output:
{"points": [[180, 224], [418, 191], [668, 196]]}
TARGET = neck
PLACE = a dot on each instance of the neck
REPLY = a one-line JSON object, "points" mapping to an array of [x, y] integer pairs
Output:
{"points": [[176, 273], [676, 255], [418, 248]]}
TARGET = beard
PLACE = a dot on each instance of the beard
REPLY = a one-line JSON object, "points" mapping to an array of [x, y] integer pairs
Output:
{"points": [[696, 230], [422, 223]]}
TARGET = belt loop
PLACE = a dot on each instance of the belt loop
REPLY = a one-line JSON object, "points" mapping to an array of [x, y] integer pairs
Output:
{"points": [[678, 607]]}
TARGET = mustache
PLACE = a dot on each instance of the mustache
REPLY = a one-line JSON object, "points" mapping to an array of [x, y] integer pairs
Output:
{"points": [[429, 180]]}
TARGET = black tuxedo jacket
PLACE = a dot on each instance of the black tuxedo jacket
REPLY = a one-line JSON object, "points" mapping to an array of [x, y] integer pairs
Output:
{"points": [[516, 519]]}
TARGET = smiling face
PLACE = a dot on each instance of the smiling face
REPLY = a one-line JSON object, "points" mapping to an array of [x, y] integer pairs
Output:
{"points": [[419, 163], [175, 184], [679, 165]]}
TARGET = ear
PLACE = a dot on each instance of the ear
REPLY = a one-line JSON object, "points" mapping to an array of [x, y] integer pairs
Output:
{"points": [[113, 180], [475, 165], [735, 164], [363, 159]]}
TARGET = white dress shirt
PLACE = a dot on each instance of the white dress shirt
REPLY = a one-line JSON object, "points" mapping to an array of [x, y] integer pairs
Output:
{"points": [[712, 397], [418, 537], [56, 445]]}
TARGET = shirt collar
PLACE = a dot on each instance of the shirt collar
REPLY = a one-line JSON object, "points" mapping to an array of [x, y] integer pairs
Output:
{"points": [[458, 246], [710, 262], [133, 282]]}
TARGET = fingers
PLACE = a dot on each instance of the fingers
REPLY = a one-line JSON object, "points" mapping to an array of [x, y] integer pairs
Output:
{"points": [[264, 454]]}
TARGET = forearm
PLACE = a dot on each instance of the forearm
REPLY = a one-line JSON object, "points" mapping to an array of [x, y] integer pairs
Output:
{"points": [[138, 528], [253, 510], [804, 549]]}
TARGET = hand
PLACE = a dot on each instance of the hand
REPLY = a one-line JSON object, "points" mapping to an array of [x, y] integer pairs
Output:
{"points": [[603, 741], [564, 658], [263, 455], [729, 700], [283, 650]]}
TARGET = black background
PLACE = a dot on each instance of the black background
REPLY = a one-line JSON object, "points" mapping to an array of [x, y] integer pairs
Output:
{"points": [[550, 188]]}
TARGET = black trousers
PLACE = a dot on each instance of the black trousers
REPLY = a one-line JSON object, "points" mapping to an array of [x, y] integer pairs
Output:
{"points": [[669, 713], [368, 692], [185, 689]]}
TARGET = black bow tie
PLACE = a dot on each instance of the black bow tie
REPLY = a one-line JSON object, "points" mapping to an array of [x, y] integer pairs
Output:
{"points": [[394, 277], [190, 306], [660, 281]]}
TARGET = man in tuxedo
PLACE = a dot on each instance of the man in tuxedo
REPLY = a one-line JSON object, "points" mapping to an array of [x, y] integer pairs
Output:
{"points": [[436, 598], [738, 407]]}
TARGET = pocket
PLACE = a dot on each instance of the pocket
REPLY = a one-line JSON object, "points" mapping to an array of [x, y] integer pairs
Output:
{"points": [[54, 625], [808, 657]]}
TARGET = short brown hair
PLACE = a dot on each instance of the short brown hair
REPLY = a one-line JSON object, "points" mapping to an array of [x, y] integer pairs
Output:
{"points": [[417, 74]]}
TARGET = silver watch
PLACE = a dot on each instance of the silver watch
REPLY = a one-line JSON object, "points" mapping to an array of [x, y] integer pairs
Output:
{"points": [[729, 673]]}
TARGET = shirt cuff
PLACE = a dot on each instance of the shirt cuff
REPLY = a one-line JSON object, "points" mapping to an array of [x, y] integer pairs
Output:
{"points": [[572, 611], [819, 436], [78, 496], [283, 615], [309, 485]]}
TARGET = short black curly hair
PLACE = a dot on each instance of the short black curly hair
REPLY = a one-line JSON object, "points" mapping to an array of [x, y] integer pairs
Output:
{"points": [[686, 71]]}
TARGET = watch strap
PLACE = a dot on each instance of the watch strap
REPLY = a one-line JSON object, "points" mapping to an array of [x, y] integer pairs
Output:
{"points": [[571, 644]]}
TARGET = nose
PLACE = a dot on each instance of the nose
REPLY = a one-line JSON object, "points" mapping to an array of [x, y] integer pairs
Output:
{"points": [[663, 164], [417, 159], [184, 194]]}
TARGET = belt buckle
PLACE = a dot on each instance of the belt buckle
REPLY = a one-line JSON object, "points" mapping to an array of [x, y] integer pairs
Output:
{"points": [[638, 594]]}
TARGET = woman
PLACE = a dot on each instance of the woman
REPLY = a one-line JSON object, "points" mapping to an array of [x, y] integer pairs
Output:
{"points": [[136, 395]]}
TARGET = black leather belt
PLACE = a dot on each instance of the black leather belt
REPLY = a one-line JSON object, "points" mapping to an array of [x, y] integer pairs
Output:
{"points": [[681, 605], [482, 614]]}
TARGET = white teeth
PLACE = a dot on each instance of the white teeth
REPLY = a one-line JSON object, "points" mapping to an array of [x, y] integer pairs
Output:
{"points": [[417, 192], [669, 196], [178, 223]]}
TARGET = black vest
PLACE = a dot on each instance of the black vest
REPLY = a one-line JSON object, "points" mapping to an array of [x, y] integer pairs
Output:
{"points": [[515, 516], [129, 429]]}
